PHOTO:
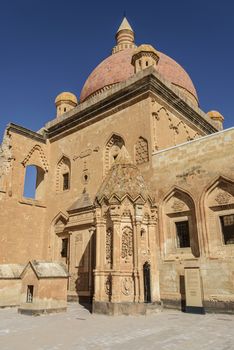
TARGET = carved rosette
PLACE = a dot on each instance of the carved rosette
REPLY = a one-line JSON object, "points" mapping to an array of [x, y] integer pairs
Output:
{"points": [[127, 286], [126, 247], [178, 205], [109, 246], [223, 198]]}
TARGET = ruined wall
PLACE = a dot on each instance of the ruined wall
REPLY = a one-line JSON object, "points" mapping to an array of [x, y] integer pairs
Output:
{"points": [[22, 220]]}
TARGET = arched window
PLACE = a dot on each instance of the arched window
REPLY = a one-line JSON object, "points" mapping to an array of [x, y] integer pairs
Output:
{"points": [[180, 224], [141, 151], [219, 209], [34, 182], [63, 174], [112, 150]]}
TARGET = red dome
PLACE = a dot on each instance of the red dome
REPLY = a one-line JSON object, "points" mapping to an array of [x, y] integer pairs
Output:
{"points": [[118, 67]]}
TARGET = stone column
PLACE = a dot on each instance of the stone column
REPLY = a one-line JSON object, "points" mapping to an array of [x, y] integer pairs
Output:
{"points": [[139, 280], [100, 256], [154, 261], [92, 233], [116, 253]]}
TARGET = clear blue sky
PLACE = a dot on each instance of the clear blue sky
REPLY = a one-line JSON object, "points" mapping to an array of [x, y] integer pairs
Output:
{"points": [[49, 46]]}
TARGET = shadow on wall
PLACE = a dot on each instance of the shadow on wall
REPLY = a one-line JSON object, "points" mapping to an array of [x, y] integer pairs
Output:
{"points": [[84, 283]]}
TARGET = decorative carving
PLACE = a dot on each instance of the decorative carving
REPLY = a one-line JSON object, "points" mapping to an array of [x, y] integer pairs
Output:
{"points": [[109, 246], [127, 249], [41, 154], [190, 173], [63, 167], [223, 197], [178, 205], [112, 149], [141, 151], [127, 286], [87, 152], [108, 285]]}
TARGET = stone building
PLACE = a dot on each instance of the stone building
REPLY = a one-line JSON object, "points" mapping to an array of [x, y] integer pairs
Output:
{"points": [[134, 186]]}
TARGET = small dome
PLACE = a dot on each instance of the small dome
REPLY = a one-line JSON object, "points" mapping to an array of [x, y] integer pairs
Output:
{"points": [[215, 115], [145, 48], [117, 68], [66, 97]]}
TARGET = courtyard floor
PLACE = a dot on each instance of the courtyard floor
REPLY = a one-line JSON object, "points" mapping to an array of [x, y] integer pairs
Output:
{"points": [[78, 329]]}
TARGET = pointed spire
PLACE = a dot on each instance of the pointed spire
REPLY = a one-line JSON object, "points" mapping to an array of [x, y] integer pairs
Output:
{"points": [[124, 25], [124, 37]]}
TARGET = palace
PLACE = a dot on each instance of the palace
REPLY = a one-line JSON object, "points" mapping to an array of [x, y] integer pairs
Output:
{"points": [[134, 194]]}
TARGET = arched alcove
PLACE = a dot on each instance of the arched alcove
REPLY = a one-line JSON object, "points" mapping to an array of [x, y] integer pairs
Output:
{"points": [[179, 224], [219, 214], [141, 151], [112, 149], [63, 174]]}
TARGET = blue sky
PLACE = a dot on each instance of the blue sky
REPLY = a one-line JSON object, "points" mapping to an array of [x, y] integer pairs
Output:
{"points": [[50, 46]]}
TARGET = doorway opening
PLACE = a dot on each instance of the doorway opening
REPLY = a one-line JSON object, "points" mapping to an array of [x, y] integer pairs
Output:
{"points": [[147, 287]]}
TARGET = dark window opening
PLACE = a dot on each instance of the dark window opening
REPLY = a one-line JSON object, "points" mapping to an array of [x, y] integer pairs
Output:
{"points": [[64, 248], [66, 181], [146, 63], [86, 177], [182, 232], [227, 224], [29, 294], [65, 109]]}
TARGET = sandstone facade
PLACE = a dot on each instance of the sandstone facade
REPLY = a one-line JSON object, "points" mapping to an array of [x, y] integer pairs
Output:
{"points": [[134, 185]]}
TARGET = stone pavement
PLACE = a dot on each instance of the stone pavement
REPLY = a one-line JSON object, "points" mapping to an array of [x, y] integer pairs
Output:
{"points": [[78, 329]]}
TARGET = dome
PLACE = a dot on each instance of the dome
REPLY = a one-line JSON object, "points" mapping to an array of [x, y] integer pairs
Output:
{"points": [[66, 96], [215, 115], [117, 68]]}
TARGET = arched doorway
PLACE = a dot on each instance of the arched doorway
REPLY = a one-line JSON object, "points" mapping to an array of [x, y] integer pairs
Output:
{"points": [[147, 287]]}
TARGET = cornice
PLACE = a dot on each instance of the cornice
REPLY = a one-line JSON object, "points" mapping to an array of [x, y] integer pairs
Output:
{"points": [[137, 87], [26, 132]]}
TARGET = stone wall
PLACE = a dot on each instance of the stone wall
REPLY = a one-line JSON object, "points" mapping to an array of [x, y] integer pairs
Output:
{"points": [[192, 172]]}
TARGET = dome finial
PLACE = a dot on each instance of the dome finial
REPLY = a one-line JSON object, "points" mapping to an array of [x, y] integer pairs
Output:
{"points": [[124, 25], [124, 37]]}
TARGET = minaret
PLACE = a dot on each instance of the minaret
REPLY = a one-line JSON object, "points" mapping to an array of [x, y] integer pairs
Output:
{"points": [[124, 37]]}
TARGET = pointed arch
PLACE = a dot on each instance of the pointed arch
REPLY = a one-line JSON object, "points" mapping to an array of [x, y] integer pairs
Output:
{"points": [[217, 204], [179, 223], [63, 174], [163, 129], [141, 151], [111, 151], [37, 157]]}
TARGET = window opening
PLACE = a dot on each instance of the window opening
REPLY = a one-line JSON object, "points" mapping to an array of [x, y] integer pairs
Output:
{"points": [[29, 294], [64, 250], [146, 63], [65, 109], [65, 181], [182, 231], [33, 182], [227, 225]]}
